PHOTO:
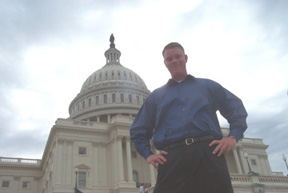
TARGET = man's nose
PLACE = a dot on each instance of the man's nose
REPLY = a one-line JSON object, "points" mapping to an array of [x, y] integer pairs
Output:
{"points": [[174, 60]]}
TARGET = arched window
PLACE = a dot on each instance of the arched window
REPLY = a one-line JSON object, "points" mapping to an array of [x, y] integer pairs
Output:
{"points": [[130, 75], [97, 100], [105, 98], [113, 98], [83, 104], [136, 79], [138, 99], [122, 98], [89, 102], [130, 98], [95, 78]]}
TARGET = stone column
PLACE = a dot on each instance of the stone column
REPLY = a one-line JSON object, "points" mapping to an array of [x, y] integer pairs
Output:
{"points": [[152, 175], [152, 171], [244, 164], [96, 164], [17, 184], [120, 160], [236, 158], [64, 161], [108, 118], [102, 167], [268, 164], [59, 162], [68, 162], [129, 161]]}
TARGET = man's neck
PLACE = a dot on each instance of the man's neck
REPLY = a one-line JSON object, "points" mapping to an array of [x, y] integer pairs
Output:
{"points": [[179, 79]]}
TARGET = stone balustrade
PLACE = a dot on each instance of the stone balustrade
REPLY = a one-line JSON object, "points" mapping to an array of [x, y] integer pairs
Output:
{"points": [[271, 180], [19, 161]]}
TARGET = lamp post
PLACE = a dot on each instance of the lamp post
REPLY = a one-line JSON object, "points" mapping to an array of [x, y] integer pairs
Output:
{"points": [[250, 171], [246, 156], [76, 170], [284, 158]]}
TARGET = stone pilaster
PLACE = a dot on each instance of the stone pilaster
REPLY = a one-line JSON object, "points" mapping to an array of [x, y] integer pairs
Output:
{"points": [[236, 158]]}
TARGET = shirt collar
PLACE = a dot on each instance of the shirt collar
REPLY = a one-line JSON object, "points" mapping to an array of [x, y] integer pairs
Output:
{"points": [[172, 82]]}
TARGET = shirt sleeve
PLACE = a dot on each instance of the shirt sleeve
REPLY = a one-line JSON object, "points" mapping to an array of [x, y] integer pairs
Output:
{"points": [[232, 109], [141, 130]]}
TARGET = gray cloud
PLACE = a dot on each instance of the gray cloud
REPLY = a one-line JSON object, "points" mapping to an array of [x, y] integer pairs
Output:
{"points": [[24, 144], [270, 122]]}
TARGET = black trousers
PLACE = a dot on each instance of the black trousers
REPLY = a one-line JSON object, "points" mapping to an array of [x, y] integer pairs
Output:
{"points": [[193, 169]]}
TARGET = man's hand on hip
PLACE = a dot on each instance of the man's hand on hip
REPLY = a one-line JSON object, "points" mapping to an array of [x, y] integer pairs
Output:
{"points": [[156, 159], [223, 146]]}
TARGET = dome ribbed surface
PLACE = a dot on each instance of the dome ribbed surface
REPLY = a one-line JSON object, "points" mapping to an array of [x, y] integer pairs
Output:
{"points": [[113, 73]]}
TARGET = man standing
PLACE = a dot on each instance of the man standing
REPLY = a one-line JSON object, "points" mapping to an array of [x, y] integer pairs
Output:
{"points": [[181, 118], [141, 188]]}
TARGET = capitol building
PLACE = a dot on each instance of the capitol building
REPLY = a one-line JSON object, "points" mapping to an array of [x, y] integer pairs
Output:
{"points": [[91, 151]]}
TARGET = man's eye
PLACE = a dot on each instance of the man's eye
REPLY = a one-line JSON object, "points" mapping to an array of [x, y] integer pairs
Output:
{"points": [[178, 56], [168, 59]]}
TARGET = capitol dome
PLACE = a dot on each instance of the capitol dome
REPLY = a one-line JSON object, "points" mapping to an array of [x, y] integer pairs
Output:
{"points": [[109, 91]]}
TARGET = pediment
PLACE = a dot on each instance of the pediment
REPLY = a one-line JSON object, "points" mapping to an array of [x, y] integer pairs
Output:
{"points": [[82, 166]]}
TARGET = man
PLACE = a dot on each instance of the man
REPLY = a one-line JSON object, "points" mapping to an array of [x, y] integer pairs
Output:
{"points": [[181, 118], [141, 188]]}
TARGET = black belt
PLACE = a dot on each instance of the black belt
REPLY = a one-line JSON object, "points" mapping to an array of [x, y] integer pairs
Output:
{"points": [[189, 141]]}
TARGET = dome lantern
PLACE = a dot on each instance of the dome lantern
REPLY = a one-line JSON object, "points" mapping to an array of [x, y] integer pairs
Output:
{"points": [[112, 54]]}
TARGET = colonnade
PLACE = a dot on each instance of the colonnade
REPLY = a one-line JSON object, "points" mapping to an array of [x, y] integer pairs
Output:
{"points": [[125, 163]]}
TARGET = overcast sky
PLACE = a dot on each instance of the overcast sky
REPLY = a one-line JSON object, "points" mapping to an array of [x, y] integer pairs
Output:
{"points": [[49, 48]]}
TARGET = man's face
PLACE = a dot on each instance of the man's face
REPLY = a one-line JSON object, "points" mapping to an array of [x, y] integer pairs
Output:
{"points": [[175, 60]]}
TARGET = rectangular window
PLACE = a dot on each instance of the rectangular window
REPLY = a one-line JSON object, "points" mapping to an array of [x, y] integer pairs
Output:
{"points": [[26, 185], [253, 162], [82, 150], [5, 184], [82, 179]]}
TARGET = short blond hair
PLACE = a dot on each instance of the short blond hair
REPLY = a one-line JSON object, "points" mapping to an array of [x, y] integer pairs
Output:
{"points": [[172, 45]]}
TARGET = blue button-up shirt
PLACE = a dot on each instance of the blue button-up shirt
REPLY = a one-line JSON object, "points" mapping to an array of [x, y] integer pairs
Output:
{"points": [[177, 111]]}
